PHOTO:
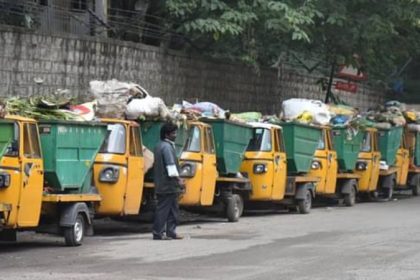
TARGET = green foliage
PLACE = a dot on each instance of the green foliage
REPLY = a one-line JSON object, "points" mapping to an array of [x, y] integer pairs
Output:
{"points": [[376, 35]]}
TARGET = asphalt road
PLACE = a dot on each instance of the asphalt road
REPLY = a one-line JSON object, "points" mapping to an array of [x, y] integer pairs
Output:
{"points": [[368, 241]]}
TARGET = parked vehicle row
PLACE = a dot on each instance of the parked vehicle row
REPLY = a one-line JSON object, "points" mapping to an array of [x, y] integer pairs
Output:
{"points": [[58, 176]]}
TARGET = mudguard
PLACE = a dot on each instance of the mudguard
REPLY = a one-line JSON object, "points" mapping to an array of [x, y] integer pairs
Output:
{"points": [[69, 212], [301, 190], [347, 185]]}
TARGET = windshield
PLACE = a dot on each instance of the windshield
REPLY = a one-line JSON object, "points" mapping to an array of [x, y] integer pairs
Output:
{"points": [[115, 141], [193, 140], [260, 141], [321, 143], [366, 143], [10, 141]]}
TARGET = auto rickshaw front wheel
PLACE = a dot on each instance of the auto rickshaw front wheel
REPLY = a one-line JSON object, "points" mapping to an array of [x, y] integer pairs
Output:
{"points": [[73, 235], [305, 205], [385, 193], [234, 207], [350, 198]]}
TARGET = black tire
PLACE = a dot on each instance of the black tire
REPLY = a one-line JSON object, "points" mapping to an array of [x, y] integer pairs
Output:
{"points": [[305, 205], [416, 187], [234, 208], [74, 235], [372, 196], [350, 198], [8, 235], [385, 193]]}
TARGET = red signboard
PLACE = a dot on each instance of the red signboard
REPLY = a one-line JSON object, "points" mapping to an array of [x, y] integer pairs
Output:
{"points": [[349, 87], [350, 72]]}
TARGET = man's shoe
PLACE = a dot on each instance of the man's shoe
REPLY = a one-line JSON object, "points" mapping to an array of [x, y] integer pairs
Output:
{"points": [[178, 237], [161, 238]]}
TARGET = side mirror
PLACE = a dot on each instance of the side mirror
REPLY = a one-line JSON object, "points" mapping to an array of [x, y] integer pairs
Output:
{"points": [[14, 146]]}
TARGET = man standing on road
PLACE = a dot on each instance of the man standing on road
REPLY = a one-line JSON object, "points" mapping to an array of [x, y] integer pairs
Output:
{"points": [[167, 184]]}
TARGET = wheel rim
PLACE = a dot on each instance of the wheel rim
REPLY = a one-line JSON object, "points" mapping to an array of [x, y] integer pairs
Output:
{"points": [[236, 210], [308, 201], [353, 195], [78, 230]]}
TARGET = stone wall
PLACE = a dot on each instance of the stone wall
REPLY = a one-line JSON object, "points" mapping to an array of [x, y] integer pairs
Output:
{"points": [[70, 62]]}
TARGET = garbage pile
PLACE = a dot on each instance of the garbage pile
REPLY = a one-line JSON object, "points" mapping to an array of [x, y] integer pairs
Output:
{"points": [[124, 100], [305, 111], [315, 112], [48, 108]]}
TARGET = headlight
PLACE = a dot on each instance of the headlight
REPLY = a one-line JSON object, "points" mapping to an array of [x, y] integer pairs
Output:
{"points": [[188, 170], [4, 180], [361, 165], [260, 168], [316, 165], [109, 174]]}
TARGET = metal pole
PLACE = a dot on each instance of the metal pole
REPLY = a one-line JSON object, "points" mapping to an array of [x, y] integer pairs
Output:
{"points": [[327, 97]]}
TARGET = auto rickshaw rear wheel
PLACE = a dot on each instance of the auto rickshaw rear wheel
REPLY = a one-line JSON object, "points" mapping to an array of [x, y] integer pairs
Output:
{"points": [[73, 235]]}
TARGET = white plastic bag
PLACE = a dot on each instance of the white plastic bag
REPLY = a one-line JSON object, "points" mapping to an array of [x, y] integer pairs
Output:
{"points": [[294, 107], [147, 107], [413, 127], [148, 159], [207, 109]]}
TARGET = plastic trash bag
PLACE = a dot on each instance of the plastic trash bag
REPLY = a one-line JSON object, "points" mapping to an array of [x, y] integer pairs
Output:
{"points": [[86, 111], [113, 96], [207, 109], [293, 108], [148, 107]]}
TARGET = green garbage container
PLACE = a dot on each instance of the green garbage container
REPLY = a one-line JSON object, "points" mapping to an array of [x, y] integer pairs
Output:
{"points": [[7, 135], [150, 133], [417, 149], [231, 140], [69, 150], [347, 143], [301, 142], [389, 141]]}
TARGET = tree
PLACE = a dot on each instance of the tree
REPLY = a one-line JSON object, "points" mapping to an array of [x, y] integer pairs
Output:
{"points": [[376, 36]]}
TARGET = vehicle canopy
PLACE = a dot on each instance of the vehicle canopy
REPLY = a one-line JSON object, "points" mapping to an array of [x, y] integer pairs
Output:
{"points": [[261, 140], [9, 135]]}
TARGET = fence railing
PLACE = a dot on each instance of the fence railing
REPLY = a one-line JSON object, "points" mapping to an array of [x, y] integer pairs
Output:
{"points": [[117, 23]]}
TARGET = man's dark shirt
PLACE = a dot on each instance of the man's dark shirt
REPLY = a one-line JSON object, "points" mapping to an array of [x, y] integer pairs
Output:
{"points": [[165, 155]]}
